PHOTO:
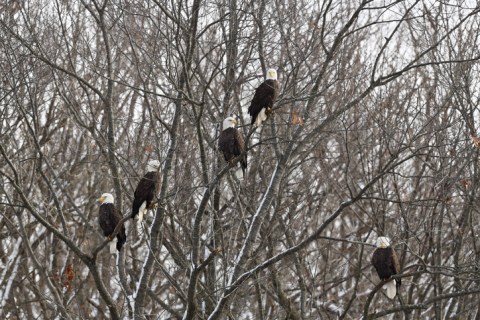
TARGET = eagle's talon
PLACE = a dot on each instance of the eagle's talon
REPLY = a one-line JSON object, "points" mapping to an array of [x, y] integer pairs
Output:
{"points": [[153, 205]]}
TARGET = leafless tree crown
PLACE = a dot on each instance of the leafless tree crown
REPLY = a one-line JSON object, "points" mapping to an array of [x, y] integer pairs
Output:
{"points": [[374, 133]]}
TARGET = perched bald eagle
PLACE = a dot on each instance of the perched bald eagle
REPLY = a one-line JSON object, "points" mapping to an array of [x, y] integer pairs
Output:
{"points": [[145, 195], [386, 263], [231, 143], [262, 103], [108, 218]]}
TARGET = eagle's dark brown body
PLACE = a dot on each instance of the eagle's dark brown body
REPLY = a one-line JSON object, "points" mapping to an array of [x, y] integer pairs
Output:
{"points": [[108, 218], [264, 98], [147, 190], [232, 144], [386, 263]]}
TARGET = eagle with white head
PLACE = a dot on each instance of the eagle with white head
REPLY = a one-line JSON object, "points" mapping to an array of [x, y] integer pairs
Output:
{"points": [[261, 106], [108, 218], [385, 261], [232, 144], [145, 196]]}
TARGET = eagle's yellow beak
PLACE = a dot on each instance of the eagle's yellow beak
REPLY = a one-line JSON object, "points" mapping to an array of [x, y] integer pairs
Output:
{"points": [[234, 121], [101, 199]]}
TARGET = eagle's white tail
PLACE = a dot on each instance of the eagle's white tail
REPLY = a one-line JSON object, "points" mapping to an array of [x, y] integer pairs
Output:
{"points": [[141, 212], [391, 289], [261, 116], [239, 173], [113, 246]]}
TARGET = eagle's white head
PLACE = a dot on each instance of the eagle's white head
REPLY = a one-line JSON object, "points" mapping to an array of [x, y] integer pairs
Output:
{"points": [[106, 198], [153, 165], [271, 74], [382, 242], [229, 122]]}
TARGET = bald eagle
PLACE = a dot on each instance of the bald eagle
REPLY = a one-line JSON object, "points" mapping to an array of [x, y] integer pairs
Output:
{"points": [[145, 195], [231, 143], [386, 263], [108, 218], [262, 103]]}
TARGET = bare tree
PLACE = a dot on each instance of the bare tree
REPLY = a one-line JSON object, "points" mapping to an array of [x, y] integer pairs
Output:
{"points": [[374, 134]]}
